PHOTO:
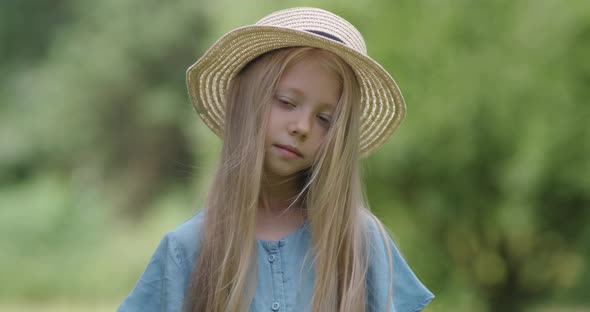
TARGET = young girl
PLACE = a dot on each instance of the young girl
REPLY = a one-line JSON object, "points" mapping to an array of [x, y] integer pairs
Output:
{"points": [[286, 227]]}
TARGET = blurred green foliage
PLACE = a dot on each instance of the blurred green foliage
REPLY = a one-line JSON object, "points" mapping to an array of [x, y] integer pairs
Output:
{"points": [[485, 186]]}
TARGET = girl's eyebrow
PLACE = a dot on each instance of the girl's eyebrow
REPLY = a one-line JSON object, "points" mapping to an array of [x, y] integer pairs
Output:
{"points": [[292, 90], [298, 93], [327, 105]]}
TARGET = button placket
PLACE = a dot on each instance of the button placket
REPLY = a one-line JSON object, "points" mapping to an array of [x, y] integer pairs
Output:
{"points": [[275, 306], [274, 259]]}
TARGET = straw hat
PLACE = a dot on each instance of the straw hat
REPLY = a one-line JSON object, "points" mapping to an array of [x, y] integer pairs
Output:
{"points": [[208, 79]]}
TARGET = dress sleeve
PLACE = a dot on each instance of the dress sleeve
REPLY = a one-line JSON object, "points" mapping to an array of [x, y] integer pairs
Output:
{"points": [[409, 294], [162, 285]]}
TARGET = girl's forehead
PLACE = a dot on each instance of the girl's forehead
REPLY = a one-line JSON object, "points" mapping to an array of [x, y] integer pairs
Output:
{"points": [[308, 80], [310, 67]]}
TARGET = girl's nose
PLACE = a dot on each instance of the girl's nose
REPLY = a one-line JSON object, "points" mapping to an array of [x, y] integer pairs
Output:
{"points": [[300, 125]]}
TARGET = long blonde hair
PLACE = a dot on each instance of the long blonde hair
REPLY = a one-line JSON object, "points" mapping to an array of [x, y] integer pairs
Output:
{"points": [[224, 276]]}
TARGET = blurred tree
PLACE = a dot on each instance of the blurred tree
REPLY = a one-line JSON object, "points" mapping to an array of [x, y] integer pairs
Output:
{"points": [[489, 175], [26, 40], [493, 162], [102, 92]]}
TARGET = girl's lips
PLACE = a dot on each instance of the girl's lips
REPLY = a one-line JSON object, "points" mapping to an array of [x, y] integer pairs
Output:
{"points": [[286, 152]]}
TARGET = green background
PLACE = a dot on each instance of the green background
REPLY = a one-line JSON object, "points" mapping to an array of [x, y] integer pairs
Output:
{"points": [[485, 186]]}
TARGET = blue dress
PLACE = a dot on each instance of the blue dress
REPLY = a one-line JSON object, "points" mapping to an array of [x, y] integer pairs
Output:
{"points": [[285, 280]]}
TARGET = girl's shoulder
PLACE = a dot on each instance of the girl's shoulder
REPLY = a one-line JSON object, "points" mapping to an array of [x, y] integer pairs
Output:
{"points": [[164, 281], [409, 294], [186, 235]]}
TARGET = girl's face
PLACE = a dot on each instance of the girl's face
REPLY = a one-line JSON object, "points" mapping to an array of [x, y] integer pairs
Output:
{"points": [[300, 116]]}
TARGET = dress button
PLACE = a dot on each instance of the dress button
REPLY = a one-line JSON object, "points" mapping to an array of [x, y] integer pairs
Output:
{"points": [[275, 306], [271, 258]]}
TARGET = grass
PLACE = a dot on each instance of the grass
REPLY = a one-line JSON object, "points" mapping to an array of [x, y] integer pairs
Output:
{"points": [[57, 307]]}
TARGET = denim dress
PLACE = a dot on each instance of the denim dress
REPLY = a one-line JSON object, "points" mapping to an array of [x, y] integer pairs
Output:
{"points": [[285, 275]]}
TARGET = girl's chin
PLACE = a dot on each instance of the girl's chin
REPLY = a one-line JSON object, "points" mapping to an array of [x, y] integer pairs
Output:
{"points": [[282, 171]]}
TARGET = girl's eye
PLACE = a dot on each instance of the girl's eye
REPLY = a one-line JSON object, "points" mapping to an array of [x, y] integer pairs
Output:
{"points": [[285, 102], [325, 119]]}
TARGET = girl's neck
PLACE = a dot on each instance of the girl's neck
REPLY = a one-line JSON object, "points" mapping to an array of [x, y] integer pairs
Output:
{"points": [[279, 214], [280, 193]]}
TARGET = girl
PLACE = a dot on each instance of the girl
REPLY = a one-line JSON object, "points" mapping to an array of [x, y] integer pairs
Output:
{"points": [[286, 228]]}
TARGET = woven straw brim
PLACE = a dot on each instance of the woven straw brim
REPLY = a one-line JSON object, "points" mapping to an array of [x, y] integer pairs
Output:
{"points": [[209, 78]]}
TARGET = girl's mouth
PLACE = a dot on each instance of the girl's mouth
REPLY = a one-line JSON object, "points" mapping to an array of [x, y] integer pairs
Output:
{"points": [[288, 152]]}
